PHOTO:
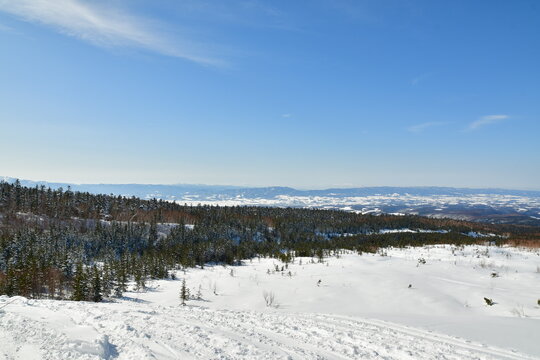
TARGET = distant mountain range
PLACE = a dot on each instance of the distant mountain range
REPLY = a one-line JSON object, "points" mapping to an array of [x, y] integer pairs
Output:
{"points": [[486, 205]]}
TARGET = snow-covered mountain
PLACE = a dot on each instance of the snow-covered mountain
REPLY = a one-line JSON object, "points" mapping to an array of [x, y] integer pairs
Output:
{"points": [[488, 205]]}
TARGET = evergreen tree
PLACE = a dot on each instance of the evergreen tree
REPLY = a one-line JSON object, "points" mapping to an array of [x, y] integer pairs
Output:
{"points": [[184, 293], [120, 285], [80, 289], [107, 281], [96, 285]]}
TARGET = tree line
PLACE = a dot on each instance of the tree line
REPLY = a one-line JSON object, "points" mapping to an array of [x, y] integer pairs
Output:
{"points": [[62, 244]]}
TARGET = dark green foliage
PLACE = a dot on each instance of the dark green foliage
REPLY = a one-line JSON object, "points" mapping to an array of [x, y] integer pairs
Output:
{"points": [[63, 244], [184, 293], [107, 281], [96, 290], [80, 288]]}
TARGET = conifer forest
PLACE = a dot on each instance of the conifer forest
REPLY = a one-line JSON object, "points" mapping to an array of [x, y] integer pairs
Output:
{"points": [[61, 244]]}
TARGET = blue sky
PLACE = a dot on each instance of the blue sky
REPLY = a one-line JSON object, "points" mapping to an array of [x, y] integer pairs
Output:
{"points": [[308, 94]]}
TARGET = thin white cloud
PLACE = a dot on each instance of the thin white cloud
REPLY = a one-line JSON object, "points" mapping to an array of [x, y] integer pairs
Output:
{"points": [[5, 28], [423, 126], [486, 120], [286, 115], [103, 26], [415, 81]]}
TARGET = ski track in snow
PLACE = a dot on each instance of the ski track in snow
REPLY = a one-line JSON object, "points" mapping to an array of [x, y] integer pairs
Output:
{"points": [[128, 330]]}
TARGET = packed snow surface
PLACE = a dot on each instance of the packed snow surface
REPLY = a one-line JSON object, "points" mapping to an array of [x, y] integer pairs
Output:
{"points": [[413, 303]]}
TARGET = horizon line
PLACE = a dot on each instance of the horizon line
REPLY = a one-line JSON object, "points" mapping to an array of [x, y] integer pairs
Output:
{"points": [[3, 178]]}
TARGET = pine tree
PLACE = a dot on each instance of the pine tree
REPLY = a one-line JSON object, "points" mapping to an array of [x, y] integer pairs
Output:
{"points": [[80, 288], [184, 293], [120, 285], [107, 281], [96, 285]]}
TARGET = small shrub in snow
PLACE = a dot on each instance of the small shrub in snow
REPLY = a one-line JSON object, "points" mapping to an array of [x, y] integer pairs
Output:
{"points": [[489, 301], [198, 296], [270, 299], [518, 311], [494, 274]]}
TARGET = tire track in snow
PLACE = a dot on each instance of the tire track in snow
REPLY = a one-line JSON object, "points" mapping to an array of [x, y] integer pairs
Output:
{"points": [[250, 326], [150, 331], [458, 344]]}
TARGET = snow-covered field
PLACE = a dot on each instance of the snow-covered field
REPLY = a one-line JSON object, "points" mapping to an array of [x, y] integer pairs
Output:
{"points": [[362, 307], [371, 202]]}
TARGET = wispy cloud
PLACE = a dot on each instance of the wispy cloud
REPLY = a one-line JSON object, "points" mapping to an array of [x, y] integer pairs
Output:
{"points": [[105, 26], [247, 13], [423, 126], [415, 81], [486, 120], [5, 28]]}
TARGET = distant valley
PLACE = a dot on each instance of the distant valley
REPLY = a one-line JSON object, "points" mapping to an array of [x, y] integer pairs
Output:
{"points": [[483, 205]]}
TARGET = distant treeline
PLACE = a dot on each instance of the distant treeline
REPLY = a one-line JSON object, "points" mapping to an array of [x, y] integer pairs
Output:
{"points": [[72, 245]]}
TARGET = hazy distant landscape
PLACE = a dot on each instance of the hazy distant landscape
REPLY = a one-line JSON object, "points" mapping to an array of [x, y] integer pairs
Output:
{"points": [[484, 205]]}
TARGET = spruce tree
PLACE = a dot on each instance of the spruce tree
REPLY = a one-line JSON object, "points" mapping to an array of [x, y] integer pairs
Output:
{"points": [[80, 288], [107, 281], [120, 285], [184, 293], [96, 285]]}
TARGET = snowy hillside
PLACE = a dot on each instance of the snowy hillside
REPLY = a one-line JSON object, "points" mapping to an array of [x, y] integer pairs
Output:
{"points": [[414, 303]]}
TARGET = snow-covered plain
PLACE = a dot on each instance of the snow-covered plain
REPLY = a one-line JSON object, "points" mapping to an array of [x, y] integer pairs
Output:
{"points": [[371, 202], [491, 208], [363, 307]]}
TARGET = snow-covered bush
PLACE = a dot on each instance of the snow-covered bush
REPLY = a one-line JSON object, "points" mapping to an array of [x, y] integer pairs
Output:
{"points": [[518, 311], [270, 299]]}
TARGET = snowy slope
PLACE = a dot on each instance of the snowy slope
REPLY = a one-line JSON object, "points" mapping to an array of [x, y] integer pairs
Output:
{"points": [[362, 309]]}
